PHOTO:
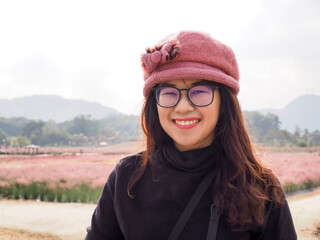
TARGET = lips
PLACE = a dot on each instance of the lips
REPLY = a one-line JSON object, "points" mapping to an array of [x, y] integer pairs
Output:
{"points": [[186, 123]]}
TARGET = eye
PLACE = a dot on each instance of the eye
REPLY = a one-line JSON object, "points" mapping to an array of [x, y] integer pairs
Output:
{"points": [[197, 91], [200, 90], [169, 91]]}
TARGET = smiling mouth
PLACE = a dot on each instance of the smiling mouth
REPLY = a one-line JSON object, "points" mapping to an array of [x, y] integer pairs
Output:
{"points": [[186, 123]]}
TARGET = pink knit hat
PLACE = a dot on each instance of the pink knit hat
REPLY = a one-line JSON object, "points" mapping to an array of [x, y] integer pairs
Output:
{"points": [[190, 55]]}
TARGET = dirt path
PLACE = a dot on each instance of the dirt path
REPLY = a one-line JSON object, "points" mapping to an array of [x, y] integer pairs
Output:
{"points": [[69, 220], [305, 210]]}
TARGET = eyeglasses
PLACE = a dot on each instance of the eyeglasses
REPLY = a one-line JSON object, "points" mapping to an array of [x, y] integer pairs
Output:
{"points": [[199, 95]]}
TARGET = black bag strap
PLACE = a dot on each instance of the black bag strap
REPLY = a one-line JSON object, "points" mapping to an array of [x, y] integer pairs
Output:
{"points": [[193, 202], [214, 222]]}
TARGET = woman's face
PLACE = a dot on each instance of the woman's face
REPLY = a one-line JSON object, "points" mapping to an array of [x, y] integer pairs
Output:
{"points": [[189, 126]]}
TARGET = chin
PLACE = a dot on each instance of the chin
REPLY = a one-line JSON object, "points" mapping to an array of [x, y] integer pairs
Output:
{"points": [[182, 146]]}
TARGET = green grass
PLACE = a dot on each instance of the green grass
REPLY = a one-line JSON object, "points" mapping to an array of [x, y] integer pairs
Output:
{"points": [[39, 190], [292, 187], [84, 193]]}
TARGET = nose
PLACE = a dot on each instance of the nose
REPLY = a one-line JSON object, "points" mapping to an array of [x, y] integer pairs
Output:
{"points": [[184, 105]]}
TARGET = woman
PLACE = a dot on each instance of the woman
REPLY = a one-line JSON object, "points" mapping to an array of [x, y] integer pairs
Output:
{"points": [[197, 147]]}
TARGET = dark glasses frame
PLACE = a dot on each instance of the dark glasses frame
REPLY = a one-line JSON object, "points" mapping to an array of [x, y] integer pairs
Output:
{"points": [[156, 88]]}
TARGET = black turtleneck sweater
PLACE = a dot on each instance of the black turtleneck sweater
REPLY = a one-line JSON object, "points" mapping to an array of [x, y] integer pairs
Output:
{"points": [[161, 195]]}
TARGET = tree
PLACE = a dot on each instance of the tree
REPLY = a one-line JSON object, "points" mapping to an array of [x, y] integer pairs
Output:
{"points": [[306, 136], [124, 127], [108, 132], [315, 137], [13, 126], [266, 129], [274, 120], [83, 125], [260, 125], [79, 139], [3, 137], [19, 141], [32, 128], [51, 134], [297, 132]]}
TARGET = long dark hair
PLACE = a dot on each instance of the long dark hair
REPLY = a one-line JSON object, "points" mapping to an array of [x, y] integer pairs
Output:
{"points": [[243, 187]]}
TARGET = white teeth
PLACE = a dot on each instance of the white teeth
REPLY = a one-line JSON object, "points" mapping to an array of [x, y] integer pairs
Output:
{"points": [[183, 123]]}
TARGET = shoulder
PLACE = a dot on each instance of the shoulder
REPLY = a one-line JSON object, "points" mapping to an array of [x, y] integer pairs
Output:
{"points": [[270, 178], [125, 167], [120, 176], [129, 162], [274, 190]]}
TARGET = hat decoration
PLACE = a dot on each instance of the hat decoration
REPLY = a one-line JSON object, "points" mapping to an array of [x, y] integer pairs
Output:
{"points": [[153, 58]]}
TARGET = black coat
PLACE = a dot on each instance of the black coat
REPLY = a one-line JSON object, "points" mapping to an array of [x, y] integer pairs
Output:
{"points": [[162, 194]]}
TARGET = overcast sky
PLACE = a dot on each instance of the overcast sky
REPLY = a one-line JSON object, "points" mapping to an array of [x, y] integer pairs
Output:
{"points": [[91, 49]]}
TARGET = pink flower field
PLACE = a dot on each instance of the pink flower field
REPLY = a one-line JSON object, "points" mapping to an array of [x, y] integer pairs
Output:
{"points": [[93, 168], [294, 167], [66, 171]]}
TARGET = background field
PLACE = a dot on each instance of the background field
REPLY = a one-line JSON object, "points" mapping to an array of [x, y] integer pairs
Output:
{"points": [[76, 176]]}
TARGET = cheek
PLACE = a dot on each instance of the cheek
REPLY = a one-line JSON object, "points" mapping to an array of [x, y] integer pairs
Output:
{"points": [[163, 114], [212, 114], [215, 113]]}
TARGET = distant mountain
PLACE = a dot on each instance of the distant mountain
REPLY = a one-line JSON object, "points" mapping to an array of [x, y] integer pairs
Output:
{"points": [[52, 107], [303, 112]]}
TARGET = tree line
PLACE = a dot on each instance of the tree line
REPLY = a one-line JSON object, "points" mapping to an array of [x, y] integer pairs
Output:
{"points": [[80, 131], [85, 131], [266, 129]]}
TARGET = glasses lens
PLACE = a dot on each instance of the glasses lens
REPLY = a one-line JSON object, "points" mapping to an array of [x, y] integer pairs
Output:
{"points": [[167, 96], [201, 95]]}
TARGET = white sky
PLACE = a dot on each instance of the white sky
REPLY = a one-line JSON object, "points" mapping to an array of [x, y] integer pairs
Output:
{"points": [[91, 49]]}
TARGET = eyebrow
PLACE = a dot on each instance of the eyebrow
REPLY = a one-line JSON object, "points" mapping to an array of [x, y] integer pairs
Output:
{"points": [[202, 81], [166, 85]]}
